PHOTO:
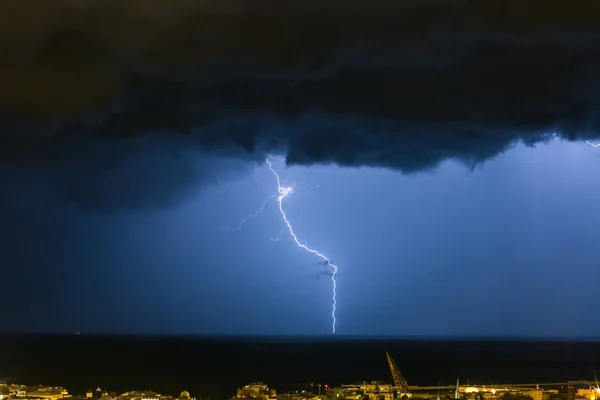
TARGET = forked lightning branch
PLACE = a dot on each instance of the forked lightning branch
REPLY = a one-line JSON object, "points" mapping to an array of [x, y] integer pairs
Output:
{"points": [[282, 193]]}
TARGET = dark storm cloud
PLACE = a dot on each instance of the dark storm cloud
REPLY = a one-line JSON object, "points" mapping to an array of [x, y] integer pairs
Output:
{"points": [[400, 84], [148, 175]]}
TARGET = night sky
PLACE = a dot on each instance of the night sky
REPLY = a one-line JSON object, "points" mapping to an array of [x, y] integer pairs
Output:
{"points": [[440, 153]]}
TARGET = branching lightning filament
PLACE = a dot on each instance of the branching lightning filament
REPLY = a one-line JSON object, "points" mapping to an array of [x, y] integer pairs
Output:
{"points": [[283, 192], [254, 215], [592, 144]]}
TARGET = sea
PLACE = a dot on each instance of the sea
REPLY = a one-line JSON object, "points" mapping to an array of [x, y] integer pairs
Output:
{"points": [[212, 368]]}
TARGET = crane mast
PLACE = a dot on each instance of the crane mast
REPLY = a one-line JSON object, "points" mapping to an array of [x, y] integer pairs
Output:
{"points": [[399, 380]]}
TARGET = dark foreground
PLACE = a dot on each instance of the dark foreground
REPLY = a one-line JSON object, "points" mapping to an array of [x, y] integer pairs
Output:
{"points": [[215, 367]]}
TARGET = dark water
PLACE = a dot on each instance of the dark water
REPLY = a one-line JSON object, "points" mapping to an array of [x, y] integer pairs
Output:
{"points": [[215, 367]]}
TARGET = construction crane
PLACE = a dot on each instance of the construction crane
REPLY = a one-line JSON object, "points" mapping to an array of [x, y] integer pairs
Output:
{"points": [[399, 380]]}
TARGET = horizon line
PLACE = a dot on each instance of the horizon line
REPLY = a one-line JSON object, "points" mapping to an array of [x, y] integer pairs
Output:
{"points": [[304, 337]]}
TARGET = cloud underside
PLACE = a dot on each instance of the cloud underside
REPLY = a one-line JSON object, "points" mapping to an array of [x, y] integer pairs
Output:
{"points": [[403, 85]]}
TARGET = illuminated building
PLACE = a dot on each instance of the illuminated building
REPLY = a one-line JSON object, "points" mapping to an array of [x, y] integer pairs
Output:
{"points": [[257, 390], [42, 392], [4, 392], [537, 394], [589, 394], [378, 391], [146, 395], [185, 395], [298, 396]]}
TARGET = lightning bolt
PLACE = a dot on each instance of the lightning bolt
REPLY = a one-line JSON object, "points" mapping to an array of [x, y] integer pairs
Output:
{"points": [[593, 144], [285, 191], [253, 215]]}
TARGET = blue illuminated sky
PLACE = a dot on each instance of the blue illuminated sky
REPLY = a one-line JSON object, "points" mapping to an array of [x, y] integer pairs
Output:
{"points": [[509, 248]]}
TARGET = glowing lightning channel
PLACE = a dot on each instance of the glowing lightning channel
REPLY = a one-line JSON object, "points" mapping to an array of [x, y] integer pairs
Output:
{"points": [[254, 215], [593, 144], [283, 193]]}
